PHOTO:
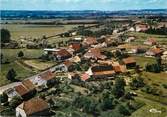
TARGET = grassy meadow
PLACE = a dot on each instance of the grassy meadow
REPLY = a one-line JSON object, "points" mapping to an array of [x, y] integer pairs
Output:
{"points": [[22, 71], [35, 31], [141, 37]]}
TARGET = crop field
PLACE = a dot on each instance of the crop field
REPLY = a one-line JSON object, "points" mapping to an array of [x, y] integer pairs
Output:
{"points": [[35, 31]]}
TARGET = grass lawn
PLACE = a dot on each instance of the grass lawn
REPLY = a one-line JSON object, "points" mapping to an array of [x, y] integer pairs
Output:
{"points": [[39, 65], [11, 54], [20, 70], [142, 61]]}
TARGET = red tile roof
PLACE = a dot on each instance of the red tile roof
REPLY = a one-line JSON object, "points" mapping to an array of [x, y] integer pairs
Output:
{"points": [[129, 60], [21, 90], [95, 53], [156, 50], [34, 105], [85, 76], [76, 46], [90, 40], [119, 69], [110, 72], [47, 75], [62, 53], [28, 84]]}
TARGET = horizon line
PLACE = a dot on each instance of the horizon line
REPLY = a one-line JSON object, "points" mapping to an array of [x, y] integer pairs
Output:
{"points": [[84, 10]]}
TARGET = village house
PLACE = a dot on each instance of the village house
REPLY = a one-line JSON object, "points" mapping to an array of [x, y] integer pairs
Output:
{"points": [[130, 62], [141, 27], [116, 66], [102, 71], [65, 67], [22, 91], [62, 54], [150, 42], [33, 107], [89, 41], [94, 53], [43, 79], [154, 52], [76, 47], [164, 55]]}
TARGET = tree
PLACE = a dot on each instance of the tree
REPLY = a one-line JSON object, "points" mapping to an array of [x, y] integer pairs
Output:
{"points": [[118, 89], [137, 82], [2, 58], [20, 54], [15, 102], [5, 36], [107, 102], [123, 110], [11, 75], [3, 98]]}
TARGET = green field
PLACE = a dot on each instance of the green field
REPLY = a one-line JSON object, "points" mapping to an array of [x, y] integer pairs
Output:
{"points": [[141, 37], [142, 61], [21, 71], [35, 31], [11, 54]]}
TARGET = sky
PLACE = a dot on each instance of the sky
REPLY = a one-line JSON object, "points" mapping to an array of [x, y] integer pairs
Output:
{"points": [[106, 5]]}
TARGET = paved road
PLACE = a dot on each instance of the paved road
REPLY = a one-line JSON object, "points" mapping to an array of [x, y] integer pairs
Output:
{"points": [[11, 85]]}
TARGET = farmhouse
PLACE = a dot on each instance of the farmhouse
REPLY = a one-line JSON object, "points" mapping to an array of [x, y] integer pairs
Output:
{"points": [[141, 27], [33, 107], [129, 62], [22, 91], [89, 41], [75, 46], [43, 79], [154, 52], [94, 53], [103, 71], [62, 54], [150, 41]]}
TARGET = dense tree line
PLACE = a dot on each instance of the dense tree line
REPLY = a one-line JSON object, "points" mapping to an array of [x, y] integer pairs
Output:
{"points": [[105, 31], [159, 31]]}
